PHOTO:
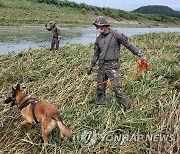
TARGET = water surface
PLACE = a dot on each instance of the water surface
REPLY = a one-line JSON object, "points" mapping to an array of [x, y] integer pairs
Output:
{"points": [[15, 39]]}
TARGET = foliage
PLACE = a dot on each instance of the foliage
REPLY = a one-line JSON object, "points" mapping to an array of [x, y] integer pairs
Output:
{"points": [[32, 13], [66, 13], [158, 9], [59, 78], [118, 14]]}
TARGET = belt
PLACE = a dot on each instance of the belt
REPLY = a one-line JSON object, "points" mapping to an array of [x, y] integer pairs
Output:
{"points": [[114, 60]]}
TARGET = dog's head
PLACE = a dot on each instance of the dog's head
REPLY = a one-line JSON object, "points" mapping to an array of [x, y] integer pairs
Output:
{"points": [[12, 99]]}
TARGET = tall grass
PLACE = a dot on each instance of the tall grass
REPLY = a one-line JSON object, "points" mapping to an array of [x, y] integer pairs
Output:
{"points": [[59, 77]]}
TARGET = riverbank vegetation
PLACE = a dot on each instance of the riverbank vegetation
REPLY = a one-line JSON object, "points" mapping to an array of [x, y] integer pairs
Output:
{"points": [[24, 13], [60, 78], [66, 13]]}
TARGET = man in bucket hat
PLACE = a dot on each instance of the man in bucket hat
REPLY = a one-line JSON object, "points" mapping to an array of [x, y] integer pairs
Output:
{"points": [[107, 52], [56, 35]]}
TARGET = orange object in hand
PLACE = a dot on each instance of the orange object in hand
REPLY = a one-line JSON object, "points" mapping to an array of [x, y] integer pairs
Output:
{"points": [[143, 64]]}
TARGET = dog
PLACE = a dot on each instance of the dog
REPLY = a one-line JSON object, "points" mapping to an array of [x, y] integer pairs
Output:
{"points": [[34, 111]]}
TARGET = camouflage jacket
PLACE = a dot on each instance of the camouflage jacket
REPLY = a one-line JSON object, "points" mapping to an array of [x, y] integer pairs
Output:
{"points": [[55, 30], [103, 50]]}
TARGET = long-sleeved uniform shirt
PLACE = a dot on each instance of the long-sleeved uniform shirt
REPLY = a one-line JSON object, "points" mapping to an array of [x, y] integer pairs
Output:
{"points": [[55, 30], [107, 47]]}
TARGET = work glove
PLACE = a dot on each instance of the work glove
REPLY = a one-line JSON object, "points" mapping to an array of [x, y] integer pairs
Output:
{"points": [[89, 70], [144, 64]]}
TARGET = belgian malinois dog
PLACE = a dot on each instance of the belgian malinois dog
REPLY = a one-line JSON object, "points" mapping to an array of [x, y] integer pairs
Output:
{"points": [[34, 111]]}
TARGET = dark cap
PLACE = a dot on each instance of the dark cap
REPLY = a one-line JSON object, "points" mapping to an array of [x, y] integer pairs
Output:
{"points": [[101, 21]]}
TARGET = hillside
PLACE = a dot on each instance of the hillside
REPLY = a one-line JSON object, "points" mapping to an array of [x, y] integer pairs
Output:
{"points": [[60, 78], [158, 9], [30, 12], [65, 13]]}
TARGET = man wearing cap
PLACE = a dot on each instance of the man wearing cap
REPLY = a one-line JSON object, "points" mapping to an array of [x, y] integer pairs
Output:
{"points": [[56, 35], [107, 52]]}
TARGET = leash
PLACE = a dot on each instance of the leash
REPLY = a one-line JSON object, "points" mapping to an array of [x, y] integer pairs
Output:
{"points": [[142, 66]]}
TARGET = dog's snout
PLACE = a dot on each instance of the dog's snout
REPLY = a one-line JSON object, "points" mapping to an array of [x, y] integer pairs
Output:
{"points": [[8, 100]]}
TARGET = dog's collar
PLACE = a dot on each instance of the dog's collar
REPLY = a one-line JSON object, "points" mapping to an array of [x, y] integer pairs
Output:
{"points": [[25, 104], [25, 99], [33, 103]]}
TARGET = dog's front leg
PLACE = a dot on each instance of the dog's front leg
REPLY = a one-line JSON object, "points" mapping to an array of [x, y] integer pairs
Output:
{"points": [[25, 126], [24, 122], [27, 120]]}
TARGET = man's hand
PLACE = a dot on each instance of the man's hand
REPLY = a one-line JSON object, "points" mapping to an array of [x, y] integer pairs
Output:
{"points": [[144, 64], [45, 25], [89, 70]]}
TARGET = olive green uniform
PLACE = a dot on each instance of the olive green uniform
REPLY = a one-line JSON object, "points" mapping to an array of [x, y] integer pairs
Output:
{"points": [[107, 52], [55, 38]]}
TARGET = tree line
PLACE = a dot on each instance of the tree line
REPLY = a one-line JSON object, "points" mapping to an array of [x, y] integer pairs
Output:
{"points": [[114, 13]]}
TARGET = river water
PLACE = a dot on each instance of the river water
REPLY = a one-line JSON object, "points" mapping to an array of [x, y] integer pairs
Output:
{"points": [[15, 39]]}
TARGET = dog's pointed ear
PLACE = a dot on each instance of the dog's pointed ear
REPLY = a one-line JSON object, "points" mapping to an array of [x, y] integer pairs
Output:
{"points": [[13, 90], [18, 87]]}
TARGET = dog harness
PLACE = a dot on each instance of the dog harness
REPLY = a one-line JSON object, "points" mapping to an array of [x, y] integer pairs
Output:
{"points": [[33, 103]]}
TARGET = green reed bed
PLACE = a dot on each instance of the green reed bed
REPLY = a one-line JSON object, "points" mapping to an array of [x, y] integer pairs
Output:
{"points": [[60, 78]]}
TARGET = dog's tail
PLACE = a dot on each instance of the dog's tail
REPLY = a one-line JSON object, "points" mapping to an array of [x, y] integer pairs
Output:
{"points": [[65, 130], [62, 127]]}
